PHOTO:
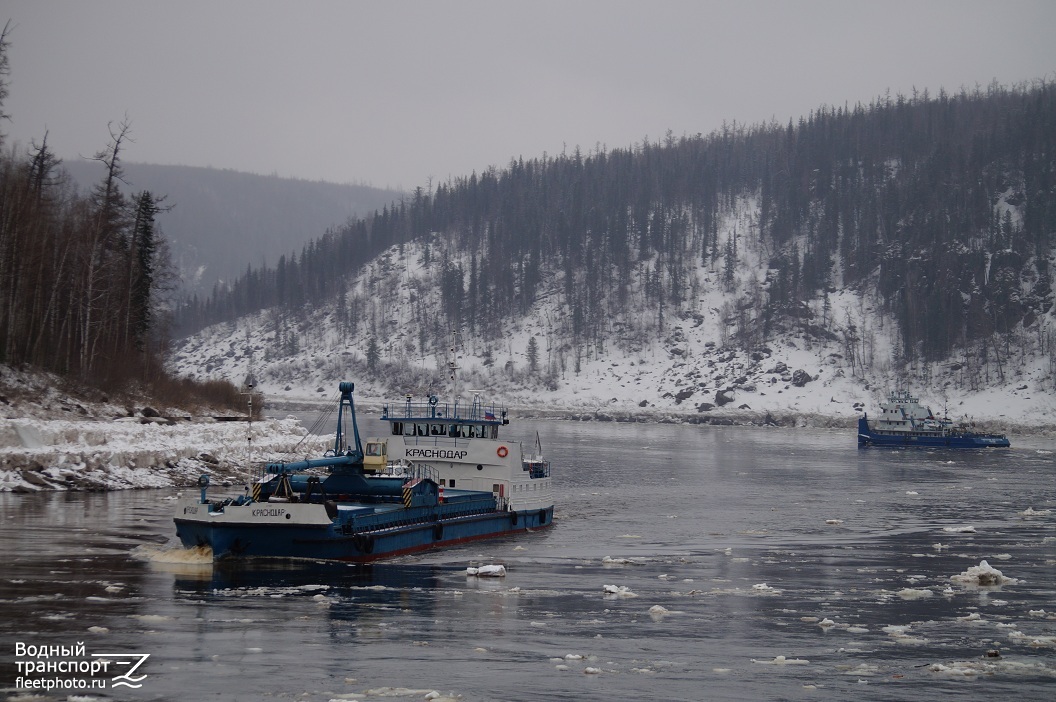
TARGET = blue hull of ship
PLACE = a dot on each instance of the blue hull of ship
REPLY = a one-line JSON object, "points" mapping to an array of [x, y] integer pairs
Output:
{"points": [[330, 543], [867, 437]]}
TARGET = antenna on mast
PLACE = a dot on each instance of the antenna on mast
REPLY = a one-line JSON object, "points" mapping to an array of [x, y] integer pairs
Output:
{"points": [[452, 363]]}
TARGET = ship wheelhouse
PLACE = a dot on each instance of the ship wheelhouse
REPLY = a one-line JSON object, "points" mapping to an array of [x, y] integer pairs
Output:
{"points": [[461, 444]]}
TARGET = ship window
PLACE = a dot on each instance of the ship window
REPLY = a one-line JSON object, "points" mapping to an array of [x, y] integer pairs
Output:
{"points": [[375, 448], [438, 430], [452, 482], [422, 429], [408, 429], [494, 487], [494, 432], [466, 431], [478, 431], [397, 428], [453, 430]]}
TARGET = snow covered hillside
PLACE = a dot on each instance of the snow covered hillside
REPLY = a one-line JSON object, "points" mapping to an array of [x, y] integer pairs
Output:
{"points": [[655, 364]]}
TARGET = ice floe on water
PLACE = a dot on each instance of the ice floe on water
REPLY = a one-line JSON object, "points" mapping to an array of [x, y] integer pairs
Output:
{"points": [[764, 589], [1031, 512], [487, 571], [618, 592], [902, 635], [782, 660], [913, 593], [658, 612], [983, 575], [959, 529]]}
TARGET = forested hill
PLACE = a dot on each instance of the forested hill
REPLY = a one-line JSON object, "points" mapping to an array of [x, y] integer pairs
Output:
{"points": [[939, 212], [217, 221]]}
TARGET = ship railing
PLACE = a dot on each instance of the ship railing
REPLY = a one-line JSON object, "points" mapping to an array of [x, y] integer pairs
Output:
{"points": [[415, 410]]}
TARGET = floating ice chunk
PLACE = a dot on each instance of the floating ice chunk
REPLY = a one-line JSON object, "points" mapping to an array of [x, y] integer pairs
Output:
{"points": [[658, 612], [608, 560], [983, 575], [1031, 512], [150, 618], [763, 587], [834, 521], [912, 492], [1003, 556], [487, 571], [959, 530], [590, 670], [939, 547], [781, 660], [573, 657], [1038, 613], [955, 668], [561, 666], [826, 623], [914, 593], [613, 591], [98, 630]]}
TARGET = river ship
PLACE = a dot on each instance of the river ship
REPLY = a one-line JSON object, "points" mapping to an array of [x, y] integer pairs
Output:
{"points": [[904, 421], [442, 476]]}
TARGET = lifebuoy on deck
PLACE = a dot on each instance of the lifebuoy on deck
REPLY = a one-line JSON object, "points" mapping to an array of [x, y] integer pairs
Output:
{"points": [[503, 452]]}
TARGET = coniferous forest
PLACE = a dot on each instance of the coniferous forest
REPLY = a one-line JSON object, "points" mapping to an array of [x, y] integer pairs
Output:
{"points": [[85, 279], [940, 207]]}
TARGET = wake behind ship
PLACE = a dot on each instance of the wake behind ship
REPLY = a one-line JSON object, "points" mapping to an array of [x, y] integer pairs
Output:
{"points": [[441, 477]]}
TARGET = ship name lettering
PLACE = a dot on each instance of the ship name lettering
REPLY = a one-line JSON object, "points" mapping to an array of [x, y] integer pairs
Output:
{"points": [[268, 512], [435, 453]]}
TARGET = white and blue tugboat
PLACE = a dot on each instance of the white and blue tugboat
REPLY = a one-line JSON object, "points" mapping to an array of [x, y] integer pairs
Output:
{"points": [[905, 422], [442, 476]]}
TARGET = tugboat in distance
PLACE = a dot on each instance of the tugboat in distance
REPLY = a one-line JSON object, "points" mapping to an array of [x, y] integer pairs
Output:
{"points": [[905, 422]]}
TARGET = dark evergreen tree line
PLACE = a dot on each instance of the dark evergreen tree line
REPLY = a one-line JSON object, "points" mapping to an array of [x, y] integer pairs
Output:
{"points": [[943, 206], [80, 276]]}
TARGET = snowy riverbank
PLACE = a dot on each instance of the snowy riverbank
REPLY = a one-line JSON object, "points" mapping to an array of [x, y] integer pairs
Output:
{"points": [[51, 440]]}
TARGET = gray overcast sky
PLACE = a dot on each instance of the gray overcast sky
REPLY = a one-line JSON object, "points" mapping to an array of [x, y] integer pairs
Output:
{"points": [[396, 93]]}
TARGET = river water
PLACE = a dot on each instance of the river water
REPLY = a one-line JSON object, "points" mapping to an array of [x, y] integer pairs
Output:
{"points": [[685, 563]]}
